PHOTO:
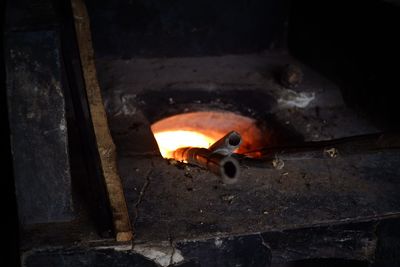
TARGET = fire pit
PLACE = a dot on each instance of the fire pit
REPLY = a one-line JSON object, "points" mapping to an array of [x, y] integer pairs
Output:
{"points": [[190, 136]]}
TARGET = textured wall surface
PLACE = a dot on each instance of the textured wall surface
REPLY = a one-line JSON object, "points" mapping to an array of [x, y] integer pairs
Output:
{"points": [[38, 127]]}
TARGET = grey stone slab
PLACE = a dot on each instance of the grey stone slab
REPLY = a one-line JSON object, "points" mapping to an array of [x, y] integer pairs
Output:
{"points": [[191, 203], [38, 127]]}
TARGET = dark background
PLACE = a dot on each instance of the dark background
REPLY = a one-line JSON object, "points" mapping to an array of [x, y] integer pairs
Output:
{"points": [[10, 253], [356, 44]]}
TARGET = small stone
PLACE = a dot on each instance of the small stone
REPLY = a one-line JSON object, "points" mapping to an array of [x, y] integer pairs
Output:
{"points": [[278, 163], [291, 76], [331, 152], [227, 197]]}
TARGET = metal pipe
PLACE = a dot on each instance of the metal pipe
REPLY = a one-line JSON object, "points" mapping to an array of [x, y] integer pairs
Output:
{"points": [[222, 165], [227, 144], [343, 146], [347, 146]]}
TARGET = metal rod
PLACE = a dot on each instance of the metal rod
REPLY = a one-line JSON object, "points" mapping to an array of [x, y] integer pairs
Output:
{"points": [[222, 165], [342, 147], [217, 158], [227, 144], [346, 146]]}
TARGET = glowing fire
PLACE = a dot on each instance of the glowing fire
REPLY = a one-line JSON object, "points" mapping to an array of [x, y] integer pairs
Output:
{"points": [[204, 128], [169, 141]]}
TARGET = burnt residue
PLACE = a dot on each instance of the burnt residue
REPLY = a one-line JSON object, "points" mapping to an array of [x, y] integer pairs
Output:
{"points": [[158, 104], [254, 103], [306, 192]]}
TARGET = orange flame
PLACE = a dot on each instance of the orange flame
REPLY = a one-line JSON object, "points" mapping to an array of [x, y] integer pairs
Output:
{"points": [[169, 141], [204, 128]]}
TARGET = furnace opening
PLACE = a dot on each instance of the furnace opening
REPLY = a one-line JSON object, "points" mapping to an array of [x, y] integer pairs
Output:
{"points": [[204, 128]]}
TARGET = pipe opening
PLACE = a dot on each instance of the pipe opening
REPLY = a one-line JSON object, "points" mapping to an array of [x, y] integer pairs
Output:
{"points": [[230, 169], [234, 140]]}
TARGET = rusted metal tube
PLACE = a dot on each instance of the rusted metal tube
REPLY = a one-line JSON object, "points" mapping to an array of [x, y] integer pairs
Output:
{"points": [[222, 165], [227, 144], [274, 157], [216, 159]]}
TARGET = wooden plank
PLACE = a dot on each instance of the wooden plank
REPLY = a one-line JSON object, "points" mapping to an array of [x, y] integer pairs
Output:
{"points": [[105, 144]]}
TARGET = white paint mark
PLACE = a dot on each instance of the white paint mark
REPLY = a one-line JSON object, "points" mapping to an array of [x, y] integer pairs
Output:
{"points": [[163, 255], [63, 124], [125, 247], [119, 103], [290, 98], [218, 242]]}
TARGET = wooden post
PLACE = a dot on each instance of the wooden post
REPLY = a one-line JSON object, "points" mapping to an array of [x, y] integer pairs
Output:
{"points": [[105, 144]]}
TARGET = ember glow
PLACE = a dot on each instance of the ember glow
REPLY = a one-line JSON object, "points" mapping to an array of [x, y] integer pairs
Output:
{"points": [[169, 141], [203, 128]]}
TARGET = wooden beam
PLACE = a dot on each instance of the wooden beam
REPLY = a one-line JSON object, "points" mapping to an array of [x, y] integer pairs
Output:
{"points": [[105, 144]]}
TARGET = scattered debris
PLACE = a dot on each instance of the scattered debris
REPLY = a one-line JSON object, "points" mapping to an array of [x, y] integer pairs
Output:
{"points": [[228, 198], [290, 98], [162, 254], [331, 152], [278, 163]]}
